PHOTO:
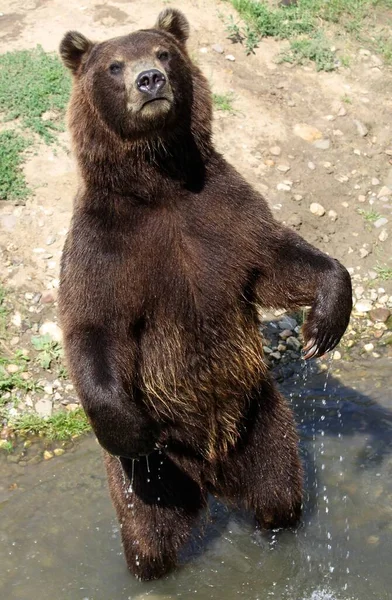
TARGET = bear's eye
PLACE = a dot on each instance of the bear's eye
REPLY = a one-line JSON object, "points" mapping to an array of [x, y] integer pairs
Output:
{"points": [[116, 68], [163, 55]]}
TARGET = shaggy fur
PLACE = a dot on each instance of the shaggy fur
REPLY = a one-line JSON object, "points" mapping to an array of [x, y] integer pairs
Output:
{"points": [[169, 252]]}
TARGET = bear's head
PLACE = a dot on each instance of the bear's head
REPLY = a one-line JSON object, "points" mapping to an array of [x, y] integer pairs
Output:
{"points": [[140, 86]]}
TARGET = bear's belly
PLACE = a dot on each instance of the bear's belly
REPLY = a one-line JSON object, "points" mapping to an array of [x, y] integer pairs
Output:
{"points": [[200, 382]]}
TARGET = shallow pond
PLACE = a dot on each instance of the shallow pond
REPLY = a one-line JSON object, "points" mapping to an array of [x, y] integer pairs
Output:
{"points": [[59, 538]]}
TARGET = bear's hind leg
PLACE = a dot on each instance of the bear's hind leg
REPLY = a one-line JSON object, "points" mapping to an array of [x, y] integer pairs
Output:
{"points": [[156, 505], [264, 471]]}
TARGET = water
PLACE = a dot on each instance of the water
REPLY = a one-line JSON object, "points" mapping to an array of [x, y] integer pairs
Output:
{"points": [[59, 538]]}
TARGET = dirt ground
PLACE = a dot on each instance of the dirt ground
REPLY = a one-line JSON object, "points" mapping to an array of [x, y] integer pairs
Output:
{"points": [[300, 137]]}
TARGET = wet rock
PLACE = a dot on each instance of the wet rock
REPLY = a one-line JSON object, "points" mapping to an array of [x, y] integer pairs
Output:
{"points": [[294, 344], [287, 323], [275, 151], [286, 333], [52, 330], [379, 314], [317, 209], [363, 306], [48, 455], [276, 355], [361, 128], [59, 451], [307, 132], [44, 408]]}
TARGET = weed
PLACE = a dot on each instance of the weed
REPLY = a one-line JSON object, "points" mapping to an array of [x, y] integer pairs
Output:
{"points": [[223, 102], [3, 311], [346, 99], [234, 31], [6, 445], [33, 82], [316, 49], [371, 216], [48, 350], [251, 40], [384, 273], [12, 182], [60, 426]]}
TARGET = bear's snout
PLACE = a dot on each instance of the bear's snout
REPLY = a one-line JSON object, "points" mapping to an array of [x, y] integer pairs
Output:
{"points": [[151, 82]]}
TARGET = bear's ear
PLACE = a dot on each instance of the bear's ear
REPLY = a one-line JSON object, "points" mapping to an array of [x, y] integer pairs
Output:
{"points": [[174, 22], [74, 46]]}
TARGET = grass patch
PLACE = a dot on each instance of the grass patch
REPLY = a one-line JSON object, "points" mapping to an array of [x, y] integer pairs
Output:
{"points": [[223, 102], [3, 312], [33, 82], [34, 90], [304, 19], [316, 49], [49, 351], [384, 273], [12, 182], [63, 425], [371, 216]]}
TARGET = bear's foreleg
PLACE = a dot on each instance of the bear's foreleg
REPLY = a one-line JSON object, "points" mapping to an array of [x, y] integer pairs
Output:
{"points": [[156, 504]]}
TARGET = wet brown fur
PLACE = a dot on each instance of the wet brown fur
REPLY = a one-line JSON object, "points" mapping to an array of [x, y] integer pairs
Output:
{"points": [[168, 255]]}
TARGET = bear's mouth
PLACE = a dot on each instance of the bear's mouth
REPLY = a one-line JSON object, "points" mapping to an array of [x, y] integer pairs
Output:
{"points": [[152, 100]]}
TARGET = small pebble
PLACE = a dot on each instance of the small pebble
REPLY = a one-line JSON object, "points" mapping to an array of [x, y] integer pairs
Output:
{"points": [[311, 166], [337, 355], [230, 57], [368, 347], [317, 209], [380, 222], [383, 236], [217, 48], [275, 151], [333, 215]]}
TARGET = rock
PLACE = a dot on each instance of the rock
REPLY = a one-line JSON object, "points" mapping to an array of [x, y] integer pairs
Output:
{"points": [[217, 48], [341, 178], [361, 198], [375, 181], [368, 347], [283, 187], [267, 350], [12, 369], [363, 253], [298, 197], [52, 330], [44, 407], [311, 166], [342, 112], [383, 236], [50, 240], [48, 455], [322, 144], [230, 57], [59, 451], [372, 275], [72, 406], [294, 220], [336, 355], [385, 191], [48, 389], [337, 132], [361, 128], [363, 306], [294, 344], [317, 209], [287, 323], [48, 296], [283, 168], [358, 291], [286, 333], [380, 222], [275, 151], [307, 132], [380, 315], [332, 215]]}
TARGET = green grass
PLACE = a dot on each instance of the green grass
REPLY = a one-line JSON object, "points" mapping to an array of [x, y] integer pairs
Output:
{"points": [[384, 273], [223, 102], [371, 216], [303, 23], [316, 49], [12, 182], [60, 426], [49, 351], [3, 312], [32, 83]]}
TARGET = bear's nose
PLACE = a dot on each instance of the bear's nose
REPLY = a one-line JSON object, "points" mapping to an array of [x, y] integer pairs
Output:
{"points": [[151, 82]]}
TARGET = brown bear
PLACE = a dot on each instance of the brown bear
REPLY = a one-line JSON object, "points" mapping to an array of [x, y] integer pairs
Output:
{"points": [[168, 255]]}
